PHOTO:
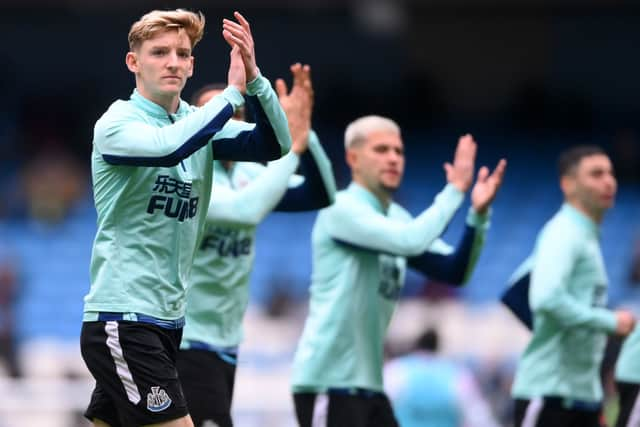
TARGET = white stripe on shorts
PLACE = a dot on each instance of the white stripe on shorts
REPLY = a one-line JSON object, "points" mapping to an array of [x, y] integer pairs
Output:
{"points": [[113, 342], [634, 415], [533, 412], [320, 417]]}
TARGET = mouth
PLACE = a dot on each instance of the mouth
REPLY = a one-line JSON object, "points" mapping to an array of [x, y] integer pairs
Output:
{"points": [[607, 198], [171, 78]]}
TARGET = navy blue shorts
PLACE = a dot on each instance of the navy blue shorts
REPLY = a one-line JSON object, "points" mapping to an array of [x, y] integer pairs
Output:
{"points": [[344, 408], [134, 365], [629, 413], [207, 380]]}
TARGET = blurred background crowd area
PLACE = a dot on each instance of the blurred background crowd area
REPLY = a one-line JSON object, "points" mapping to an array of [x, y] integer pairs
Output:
{"points": [[526, 78]]}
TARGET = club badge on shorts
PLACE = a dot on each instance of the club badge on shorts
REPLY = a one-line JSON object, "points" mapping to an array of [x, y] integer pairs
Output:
{"points": [[158, 400]]}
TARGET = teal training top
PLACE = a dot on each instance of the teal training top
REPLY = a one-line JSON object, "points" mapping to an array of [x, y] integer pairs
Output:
{"points": [[628, 365], [360, 253], [242, 198], [567, 294], [152, 174]]}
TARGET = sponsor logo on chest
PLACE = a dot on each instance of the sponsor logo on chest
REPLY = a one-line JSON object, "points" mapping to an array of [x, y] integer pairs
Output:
{"points": [[227, 242], [391, 277], [173, 198]]}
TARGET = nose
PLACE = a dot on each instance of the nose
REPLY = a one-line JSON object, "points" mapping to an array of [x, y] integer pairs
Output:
{"points": [[394, 156], [172, 60]]}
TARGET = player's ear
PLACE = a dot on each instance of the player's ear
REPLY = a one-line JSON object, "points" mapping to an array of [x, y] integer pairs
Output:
{"points": [[132, 61], [568, 185], [351, 156], [191, 63]]}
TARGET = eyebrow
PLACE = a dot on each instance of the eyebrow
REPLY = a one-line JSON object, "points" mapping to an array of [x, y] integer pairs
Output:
{"points": [[167, 47], [600, 169], [388, 144]]}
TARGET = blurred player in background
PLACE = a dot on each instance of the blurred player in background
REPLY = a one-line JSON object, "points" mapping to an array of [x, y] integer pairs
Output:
{"points": [[429, 390], [557, 381], [243, 194], [152, 166], [362, 245]]}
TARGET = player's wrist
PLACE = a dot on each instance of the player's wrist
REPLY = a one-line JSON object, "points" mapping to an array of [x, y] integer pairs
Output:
{"points": [[252, 74], [459, 185], [480, 209], [299, 145]]}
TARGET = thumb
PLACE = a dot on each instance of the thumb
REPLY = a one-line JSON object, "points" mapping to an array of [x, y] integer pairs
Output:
{"points": [[235, 51], [281, 88], [483, 173], [448, 168]]}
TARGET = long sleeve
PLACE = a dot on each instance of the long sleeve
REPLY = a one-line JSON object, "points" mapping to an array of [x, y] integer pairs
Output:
{"points": [[250, 204], [454, 267], [122, 137], [267, 139], [319, 186], [358, 225], [550, 276]]}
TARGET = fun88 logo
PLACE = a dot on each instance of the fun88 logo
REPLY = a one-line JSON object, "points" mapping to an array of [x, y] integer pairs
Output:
{"points": [[181, 207], [227, 242]]}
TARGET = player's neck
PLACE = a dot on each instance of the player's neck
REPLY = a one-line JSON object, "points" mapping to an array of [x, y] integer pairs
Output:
{"points": [[382, 194], [594, 214], [384, 197], [169, 102]]}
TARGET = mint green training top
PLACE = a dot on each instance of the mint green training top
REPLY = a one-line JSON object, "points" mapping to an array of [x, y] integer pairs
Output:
{"points": [[628, 365], [152, 174], [242, 198], [360, 254], [567, 295]]}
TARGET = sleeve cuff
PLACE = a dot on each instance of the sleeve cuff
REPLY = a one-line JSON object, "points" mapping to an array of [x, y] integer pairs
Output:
{"points": [[476, 220], [291, 157], [257, 85], [607, 320], [233, 96]]}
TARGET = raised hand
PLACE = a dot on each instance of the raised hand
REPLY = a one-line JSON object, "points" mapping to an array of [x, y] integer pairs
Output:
{"points": [[236, 76], [238, 34], [297, 105], [486, 186], [460, 173]]}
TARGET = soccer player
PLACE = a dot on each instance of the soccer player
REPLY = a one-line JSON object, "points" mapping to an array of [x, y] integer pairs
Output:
{"points": [[557, 381], [243, 194], [361, 247], [428, 389], [628, 381], [152, 167]]}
